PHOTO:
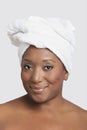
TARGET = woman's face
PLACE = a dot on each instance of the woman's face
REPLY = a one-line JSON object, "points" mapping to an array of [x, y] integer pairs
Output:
{"points": [[42, 74]]}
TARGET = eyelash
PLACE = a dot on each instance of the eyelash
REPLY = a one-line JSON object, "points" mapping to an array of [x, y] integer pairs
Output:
{"points": [[27, 67], [48, 67], [45, 68]]}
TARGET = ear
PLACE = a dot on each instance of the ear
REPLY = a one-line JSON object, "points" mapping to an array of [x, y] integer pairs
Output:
{"points": [[66, 75]]}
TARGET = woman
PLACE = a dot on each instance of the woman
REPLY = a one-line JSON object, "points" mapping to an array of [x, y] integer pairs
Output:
{"points": [[45, 48]]}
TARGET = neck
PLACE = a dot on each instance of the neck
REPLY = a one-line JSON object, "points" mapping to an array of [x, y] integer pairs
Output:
{"points": [[55, 104]]}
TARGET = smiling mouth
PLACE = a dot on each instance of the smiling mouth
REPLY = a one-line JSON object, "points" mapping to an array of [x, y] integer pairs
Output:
{"points": [[37, 90]]}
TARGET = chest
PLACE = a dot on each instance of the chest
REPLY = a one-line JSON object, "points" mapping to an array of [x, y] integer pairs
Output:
{"points": [[34, 123]]}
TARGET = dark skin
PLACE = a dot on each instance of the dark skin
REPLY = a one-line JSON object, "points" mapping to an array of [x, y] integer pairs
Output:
{"points": [[43, 108]]}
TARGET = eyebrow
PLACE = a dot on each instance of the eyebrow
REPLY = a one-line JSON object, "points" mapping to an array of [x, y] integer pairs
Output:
{"points": [[47, 60], [44, 60]]}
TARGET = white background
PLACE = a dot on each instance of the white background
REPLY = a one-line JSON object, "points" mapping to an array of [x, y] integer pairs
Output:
{"points": [[75, 89]]}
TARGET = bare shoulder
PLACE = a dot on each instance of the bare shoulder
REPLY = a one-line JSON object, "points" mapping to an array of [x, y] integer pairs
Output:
{"points": [[11, 107], [3, 110], [81, 116], [4, 115], [83, 113], [77, 112], [11, 111]]}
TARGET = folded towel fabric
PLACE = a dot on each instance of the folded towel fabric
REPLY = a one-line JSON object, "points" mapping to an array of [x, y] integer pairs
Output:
{"points": [[56, 34]]}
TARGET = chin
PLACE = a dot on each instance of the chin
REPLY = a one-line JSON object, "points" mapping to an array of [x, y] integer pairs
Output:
{"points": [[38, 99], [41, 100]]}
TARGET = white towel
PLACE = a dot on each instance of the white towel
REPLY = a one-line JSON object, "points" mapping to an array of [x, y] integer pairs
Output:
{"points": [[57, 34]]}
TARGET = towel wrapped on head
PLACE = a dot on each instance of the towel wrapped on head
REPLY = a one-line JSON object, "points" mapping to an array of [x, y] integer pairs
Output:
{"points": [[56, 34]]}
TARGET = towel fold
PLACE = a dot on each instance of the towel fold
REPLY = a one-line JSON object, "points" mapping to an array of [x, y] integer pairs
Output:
{"points": [[53, 33]]}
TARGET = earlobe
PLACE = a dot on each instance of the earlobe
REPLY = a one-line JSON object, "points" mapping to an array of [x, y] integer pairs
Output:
{"points": [[66, 75]]}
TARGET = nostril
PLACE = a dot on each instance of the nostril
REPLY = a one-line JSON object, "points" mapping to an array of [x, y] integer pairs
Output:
{"points": [[36, 77]]}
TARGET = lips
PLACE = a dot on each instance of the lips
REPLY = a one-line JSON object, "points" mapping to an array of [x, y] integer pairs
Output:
{"points": [[37, 90]]}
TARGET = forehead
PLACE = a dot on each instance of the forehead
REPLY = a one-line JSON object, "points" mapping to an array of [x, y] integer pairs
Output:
{"points": [[39, 55], [32, 52]]}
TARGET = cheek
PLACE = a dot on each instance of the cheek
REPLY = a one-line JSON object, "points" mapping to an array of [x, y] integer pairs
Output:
{"points": [[55, 77], [24, 76]]}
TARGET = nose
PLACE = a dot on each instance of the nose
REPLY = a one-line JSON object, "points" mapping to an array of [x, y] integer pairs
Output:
{"points": [[36, 76]]}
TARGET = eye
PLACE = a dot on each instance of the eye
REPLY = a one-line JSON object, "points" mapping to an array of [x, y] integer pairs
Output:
{"points": [[27, 67], [48, 67]]}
